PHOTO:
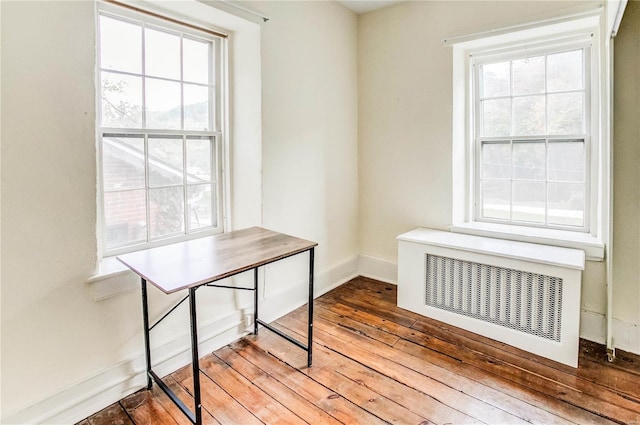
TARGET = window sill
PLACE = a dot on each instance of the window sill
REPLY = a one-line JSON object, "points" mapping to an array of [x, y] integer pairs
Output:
{"points": [[592, 246], [113, 278], [107, 268]]}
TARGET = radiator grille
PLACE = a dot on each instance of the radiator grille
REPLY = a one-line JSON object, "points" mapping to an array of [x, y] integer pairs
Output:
{"points": [[520, 300]]}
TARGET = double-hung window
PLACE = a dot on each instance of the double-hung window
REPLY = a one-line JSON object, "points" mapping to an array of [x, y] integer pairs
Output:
{"points": [[531, 147], [532, 137], [159, 131]]}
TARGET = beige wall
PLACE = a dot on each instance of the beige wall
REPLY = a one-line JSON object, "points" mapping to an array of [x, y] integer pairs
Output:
{"points": [[309, 107], [55, 337], [50, 326], [626, 175], [405, 139]]}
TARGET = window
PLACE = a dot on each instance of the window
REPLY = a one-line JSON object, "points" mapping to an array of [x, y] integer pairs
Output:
{"points": [[530, 132], [531, 121], [159, 130]]}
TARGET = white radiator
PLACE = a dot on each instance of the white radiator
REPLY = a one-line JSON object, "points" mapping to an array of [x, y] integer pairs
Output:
{"points": [[522, 294]]}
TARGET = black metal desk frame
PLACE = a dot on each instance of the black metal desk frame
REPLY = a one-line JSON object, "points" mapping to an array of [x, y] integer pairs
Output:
{"points": [[196, 417]]}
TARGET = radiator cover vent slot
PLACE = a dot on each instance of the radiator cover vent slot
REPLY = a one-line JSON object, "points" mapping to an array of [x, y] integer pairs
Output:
{"points": [[525, 301]]}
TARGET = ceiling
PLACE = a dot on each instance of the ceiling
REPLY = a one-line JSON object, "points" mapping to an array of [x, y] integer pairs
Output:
{"points": [[364, 6]]}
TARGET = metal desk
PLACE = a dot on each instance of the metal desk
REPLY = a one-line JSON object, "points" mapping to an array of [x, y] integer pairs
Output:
{"points": [[201, 262]]}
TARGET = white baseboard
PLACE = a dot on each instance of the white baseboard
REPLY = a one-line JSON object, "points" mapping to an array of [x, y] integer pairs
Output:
{"points": [[376, 268], [593, 327], [90, 395]]}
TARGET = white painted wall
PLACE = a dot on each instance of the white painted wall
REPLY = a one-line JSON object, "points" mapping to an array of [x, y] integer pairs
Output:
{"points": [[310, 151], [50, 326], [405, 133], [65, 355]]}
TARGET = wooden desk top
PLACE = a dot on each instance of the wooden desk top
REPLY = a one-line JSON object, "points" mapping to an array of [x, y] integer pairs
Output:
{"points": [[187, 264]]}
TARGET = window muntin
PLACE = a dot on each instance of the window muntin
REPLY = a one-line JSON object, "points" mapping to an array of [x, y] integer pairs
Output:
{"points": [[159, 133], [531, 125]]}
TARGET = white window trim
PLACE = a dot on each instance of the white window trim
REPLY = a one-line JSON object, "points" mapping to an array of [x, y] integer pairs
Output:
{"points": [[108, 266], [463, 178]]}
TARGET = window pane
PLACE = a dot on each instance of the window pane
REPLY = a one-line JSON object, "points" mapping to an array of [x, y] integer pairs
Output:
{"points": [[496, 197], [528, 116], [566, 204], [565, 113], [122, 163], [120, 45], [199, 160], [165, 161], [162, 104], [196, 60], [166, 209], [529, 201], [162, 54], [196, 107], [567, 161], [496, 160], [564, 71], [528, 76], [201, 209], [496, 80], [125, 214], [496, 117], [529, 160], [121, 100]]}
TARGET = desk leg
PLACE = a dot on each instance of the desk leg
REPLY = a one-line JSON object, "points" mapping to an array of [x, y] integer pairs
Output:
{"points": [[255, 301], [145, 319], [195, 359], [310, 320]]}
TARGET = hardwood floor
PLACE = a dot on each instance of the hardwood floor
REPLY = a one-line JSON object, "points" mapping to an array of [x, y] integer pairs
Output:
{"points": [[375, 363]]}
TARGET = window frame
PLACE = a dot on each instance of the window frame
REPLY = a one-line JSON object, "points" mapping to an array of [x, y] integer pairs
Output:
{"points": [[477, 60], [217, 133], [578, 24]]}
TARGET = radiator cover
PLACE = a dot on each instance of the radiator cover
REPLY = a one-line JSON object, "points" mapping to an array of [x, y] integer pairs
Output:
{"points": [[521, 294]]}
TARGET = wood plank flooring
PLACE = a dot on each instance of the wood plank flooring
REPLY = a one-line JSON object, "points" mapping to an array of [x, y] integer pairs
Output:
{"points": [[375, 363]]}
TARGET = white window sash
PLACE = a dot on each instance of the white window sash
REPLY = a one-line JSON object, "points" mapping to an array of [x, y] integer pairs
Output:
{"points": [[581, 41]]}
